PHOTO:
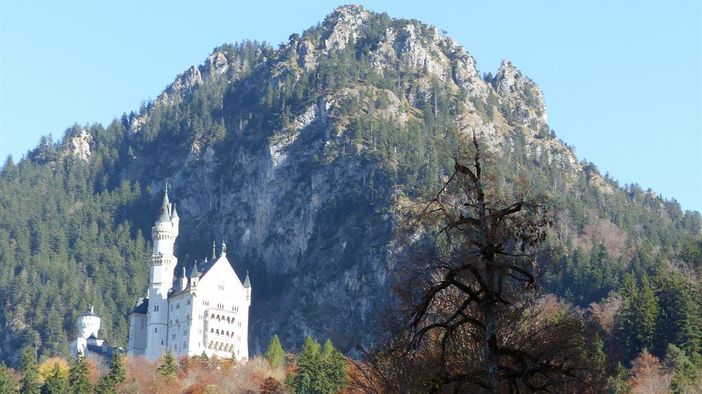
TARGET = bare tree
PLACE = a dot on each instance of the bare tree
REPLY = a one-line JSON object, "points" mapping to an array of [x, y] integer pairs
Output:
{"points": [[469, 317]]}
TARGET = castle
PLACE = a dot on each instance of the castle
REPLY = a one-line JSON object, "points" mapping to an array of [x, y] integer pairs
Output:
{"points": [[202, 308]]}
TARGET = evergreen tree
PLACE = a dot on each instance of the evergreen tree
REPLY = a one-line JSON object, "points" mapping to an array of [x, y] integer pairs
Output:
{"points": [[56, 383], [319, 371], [334, 367], [168, 367], [29, 383], [78, 377], [685, 373], [117, 373], [306, 377], [638, 318], [275, 354], [646, 310], [679, 322], [8, 384], [105, 386]]}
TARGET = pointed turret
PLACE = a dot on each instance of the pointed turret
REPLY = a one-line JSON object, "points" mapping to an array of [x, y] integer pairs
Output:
{"points": [[247, 288], [224, 248], [194, 275], [247, 281], [164, 214], [214, 252], [174, 213]]}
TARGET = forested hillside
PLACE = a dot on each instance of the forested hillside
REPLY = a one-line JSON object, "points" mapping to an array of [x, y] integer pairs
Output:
{"points": [[301, 157]]}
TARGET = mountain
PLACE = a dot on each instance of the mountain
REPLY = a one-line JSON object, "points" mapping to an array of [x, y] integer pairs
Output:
{"points": [[300, 157]]}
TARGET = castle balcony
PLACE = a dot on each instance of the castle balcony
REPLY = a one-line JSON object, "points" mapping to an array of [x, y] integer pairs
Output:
{"points": [[222, 330]]}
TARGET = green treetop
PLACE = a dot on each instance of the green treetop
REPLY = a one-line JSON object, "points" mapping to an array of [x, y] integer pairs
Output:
{"points": [[275, 354], [168, 367], [78, 377]]}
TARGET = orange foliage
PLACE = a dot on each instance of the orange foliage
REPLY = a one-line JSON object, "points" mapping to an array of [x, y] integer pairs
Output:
{"points": [[646, 375]]}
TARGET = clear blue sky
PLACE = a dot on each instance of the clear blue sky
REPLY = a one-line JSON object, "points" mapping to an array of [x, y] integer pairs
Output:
{"points": [[622, 79]]}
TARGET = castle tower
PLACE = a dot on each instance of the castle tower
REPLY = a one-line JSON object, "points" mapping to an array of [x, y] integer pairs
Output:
{"points": [[162, 264]]}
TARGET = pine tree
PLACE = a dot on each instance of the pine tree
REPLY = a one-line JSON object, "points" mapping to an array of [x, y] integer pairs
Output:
{"points": [[275, 354], [646, 310], [29, 383], [78, 377], [168, 367], [306, 377], [334, 367], [117, 373], [685, 373], [319, 370], [8, 384], [56, 383]]}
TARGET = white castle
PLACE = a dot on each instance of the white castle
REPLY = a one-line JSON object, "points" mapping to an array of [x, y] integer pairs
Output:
{"points": [[204, 308]]}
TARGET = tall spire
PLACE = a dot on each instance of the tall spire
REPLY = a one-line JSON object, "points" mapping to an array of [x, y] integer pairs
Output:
{"points": [[224, 248], [247, 282], [194, 273], [174, 213], [164, 214], [214, 252]]}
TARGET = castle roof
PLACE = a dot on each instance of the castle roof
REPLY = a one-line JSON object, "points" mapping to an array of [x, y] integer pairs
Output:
{"points": [[141, 307], [88, 312], [164, 214]]}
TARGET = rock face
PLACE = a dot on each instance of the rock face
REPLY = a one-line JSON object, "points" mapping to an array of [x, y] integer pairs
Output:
{"points": [[301, 193], [522, 93], [80, 146]]}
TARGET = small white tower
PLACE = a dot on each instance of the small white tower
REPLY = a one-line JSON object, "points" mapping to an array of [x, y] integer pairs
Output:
{"points": [[88, 323], [87, 327], [162, 262]]}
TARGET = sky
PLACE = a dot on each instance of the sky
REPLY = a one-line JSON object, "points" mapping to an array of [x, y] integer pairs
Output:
{"points": [[622, 78]]}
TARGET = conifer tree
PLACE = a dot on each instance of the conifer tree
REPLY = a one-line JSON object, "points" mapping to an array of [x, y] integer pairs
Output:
{"points": [[78, 377], [305, 378], [334, 367], [29, 383], [685, 373], [168, 367], [56, 383], [275, 354], [8, 385], [117, 373], [646, 312], [319, 370]]}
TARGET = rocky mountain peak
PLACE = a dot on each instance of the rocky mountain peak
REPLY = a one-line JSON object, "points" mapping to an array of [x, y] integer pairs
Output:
{"points": [[344, 24], [522, 93]]}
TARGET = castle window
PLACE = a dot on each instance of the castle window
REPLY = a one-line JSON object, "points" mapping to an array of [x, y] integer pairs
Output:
{"points": [[184, 344], [155, 329], [188, 302], [155, 308], [177, 305], [212, 330]]}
